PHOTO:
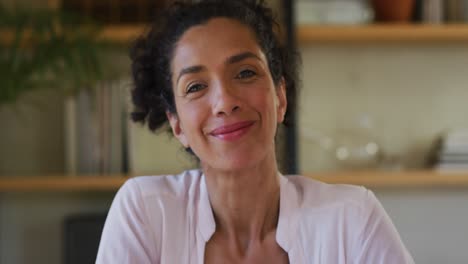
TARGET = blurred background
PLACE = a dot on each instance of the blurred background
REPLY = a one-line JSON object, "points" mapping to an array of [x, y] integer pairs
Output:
{"points": [[383, 103]]}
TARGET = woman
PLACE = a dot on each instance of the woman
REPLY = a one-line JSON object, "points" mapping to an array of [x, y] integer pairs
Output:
{"points": [[215, 71]]}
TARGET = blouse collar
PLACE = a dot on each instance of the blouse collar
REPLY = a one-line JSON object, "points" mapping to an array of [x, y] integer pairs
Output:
{"points": [[206, 222]]}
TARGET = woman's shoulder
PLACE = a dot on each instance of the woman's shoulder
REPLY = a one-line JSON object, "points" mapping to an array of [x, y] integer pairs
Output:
{"points": [[169, 186], [345, 219], [329, 208], [315, 194]]}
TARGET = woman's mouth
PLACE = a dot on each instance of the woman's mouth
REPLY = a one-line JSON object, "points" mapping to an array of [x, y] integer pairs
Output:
{"points": [[233, 131]]}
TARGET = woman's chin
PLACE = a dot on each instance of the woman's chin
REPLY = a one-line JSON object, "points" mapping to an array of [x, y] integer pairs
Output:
{"points": [[228, 166], [241, 162]]}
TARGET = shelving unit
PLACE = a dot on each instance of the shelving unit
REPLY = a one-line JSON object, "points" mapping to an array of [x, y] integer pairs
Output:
{"points": [[376, 179], [379, 33], [305, 34]]}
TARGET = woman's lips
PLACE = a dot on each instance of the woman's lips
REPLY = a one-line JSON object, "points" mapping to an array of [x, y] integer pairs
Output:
{"points": [[233, 131]]}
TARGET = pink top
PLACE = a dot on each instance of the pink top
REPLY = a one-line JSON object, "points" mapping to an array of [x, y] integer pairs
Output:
{"points": [[168, 219]]}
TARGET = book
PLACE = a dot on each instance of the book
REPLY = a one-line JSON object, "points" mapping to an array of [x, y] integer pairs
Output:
{"points": [[94, 131], [432, 11]]}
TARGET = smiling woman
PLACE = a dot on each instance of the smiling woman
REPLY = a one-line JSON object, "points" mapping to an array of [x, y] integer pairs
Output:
{"points": [[216, 73]]}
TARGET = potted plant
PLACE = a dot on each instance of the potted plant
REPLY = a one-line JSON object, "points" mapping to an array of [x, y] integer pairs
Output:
{"points": [[60, 51], [48, 49]]}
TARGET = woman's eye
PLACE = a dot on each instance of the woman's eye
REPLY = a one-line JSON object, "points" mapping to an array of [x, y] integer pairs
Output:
{"points": [[195, 88], [246, 74]]}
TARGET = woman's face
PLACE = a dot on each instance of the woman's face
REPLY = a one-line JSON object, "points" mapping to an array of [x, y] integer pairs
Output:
{"points": [[227, 105]]}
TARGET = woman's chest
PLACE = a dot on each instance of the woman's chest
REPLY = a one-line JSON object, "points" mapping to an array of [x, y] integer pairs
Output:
{"points": [[265, 251]]}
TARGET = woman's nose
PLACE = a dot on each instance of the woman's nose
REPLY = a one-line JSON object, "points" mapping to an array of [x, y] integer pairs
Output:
{"points": [[226, 100]]}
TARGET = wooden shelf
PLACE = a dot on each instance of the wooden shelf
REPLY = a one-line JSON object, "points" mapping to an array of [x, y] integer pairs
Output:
{"points": [[326, 34], [122, 34], [411, 179], [383, 33], [405, 179], [62, 183]]}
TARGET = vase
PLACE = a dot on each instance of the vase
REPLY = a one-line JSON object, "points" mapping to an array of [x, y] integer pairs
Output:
{"points": [[393, 10]]}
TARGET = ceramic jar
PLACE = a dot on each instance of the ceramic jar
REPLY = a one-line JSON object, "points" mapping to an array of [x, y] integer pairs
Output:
{"points": [[393, 10]]}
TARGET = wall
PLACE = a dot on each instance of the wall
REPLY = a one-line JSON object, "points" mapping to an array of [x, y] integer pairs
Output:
{"points": [[431, 223]]}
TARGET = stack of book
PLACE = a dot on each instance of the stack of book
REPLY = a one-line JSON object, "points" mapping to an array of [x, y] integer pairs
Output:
{"points": [[433, 11], [453, 151], [442, 11], [95, 127], [456, 11]]}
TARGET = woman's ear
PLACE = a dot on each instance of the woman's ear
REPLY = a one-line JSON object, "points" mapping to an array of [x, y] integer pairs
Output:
{"points": [[177, 129], [282, 101]]}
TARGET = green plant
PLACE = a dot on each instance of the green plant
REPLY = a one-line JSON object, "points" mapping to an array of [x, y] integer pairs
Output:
{"points": [[42, 49]]}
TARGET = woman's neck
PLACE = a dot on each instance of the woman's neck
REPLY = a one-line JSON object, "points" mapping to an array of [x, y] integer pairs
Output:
{"points": [[245, 203]]}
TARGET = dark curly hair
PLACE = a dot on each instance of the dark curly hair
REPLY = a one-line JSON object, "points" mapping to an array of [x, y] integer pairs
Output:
{"points": [[151, 55]]}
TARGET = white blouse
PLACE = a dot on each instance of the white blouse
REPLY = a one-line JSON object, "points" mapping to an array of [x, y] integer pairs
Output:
{"points": [[168, 219]]}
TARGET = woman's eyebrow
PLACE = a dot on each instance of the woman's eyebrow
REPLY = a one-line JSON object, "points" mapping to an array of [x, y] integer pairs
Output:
{"points": [[191, 69], [242, 56], [231, 60]]}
